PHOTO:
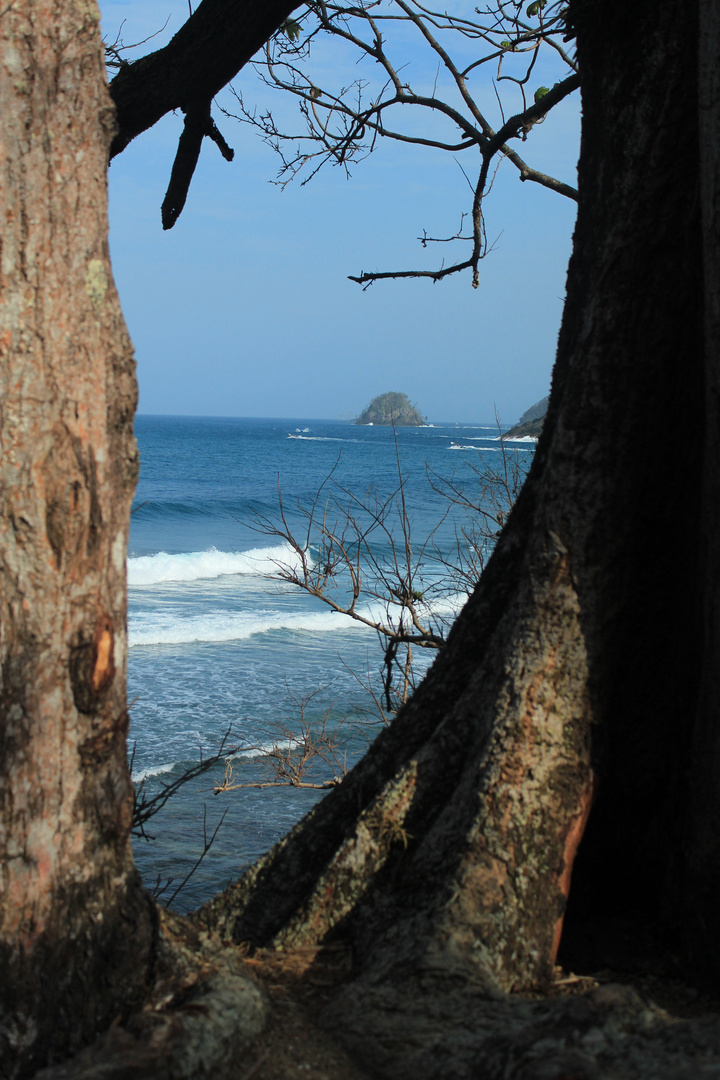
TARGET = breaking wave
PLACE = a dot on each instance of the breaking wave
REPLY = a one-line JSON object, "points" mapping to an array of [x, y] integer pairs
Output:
{"points": [[197, 565]]}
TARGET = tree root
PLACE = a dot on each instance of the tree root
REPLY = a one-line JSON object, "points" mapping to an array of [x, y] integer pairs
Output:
{"points": [[611, 1032], [204, 1010], [210, 1016]]}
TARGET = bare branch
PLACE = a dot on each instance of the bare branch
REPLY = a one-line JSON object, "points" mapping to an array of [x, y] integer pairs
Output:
{"points": [[145, 808], [343, 125], [198, 124], [207, 844], [115, 49], [295, 754], [434, 275], [522, 122]]}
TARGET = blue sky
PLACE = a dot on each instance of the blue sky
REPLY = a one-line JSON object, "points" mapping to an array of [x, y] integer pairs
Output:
{"points": [[244, 308]]}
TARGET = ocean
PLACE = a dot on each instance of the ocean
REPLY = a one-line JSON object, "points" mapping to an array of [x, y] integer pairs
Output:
{"points": [[220, 647]]}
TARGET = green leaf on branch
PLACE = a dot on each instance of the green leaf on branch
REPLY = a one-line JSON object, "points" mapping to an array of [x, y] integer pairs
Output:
{"points": [[540, 93], [291, 29], [536, 7]]}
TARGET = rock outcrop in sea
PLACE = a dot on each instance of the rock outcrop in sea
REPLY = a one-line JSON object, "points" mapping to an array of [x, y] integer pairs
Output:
{"points": [[392, 408]]}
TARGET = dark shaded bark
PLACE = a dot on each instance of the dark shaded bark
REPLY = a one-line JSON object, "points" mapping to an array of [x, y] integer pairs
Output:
{"points": [[702, 887], [572, 674], [635, 297]]}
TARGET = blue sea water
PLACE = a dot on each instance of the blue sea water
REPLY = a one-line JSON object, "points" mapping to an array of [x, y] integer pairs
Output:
{"points": [[219, 644]]}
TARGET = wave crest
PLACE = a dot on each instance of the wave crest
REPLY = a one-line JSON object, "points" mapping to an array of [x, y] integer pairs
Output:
{"points": [[167, 628], [198, 565]]}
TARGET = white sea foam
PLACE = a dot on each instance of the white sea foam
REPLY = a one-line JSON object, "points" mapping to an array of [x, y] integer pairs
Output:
{"points": [[196, 565], [263, 748], [320, 438], [497, 449], [448, 606], [161, 628], [518, 438], [152, 770], [170, 628]]}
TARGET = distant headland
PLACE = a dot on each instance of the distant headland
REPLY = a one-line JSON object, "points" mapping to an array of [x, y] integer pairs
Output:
{"points": [[531, 422], [392, 408]]}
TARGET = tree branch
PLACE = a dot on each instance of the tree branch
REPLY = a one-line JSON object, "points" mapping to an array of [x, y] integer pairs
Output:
{"points": [[222, 35], [206, 53], [198, 124], [345, 124], [197, 119], [435, 275], [523, 121]]}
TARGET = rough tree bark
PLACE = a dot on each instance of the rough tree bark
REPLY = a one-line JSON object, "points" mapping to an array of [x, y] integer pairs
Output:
{"points": [[69, 895], [571, 677]]}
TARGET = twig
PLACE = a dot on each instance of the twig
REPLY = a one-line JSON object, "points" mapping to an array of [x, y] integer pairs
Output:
{"points": [[144, 809], [207, 844]]}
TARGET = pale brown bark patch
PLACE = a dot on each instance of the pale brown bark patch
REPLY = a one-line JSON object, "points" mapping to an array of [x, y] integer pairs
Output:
{"points": [[576, 828], [104, 668]]}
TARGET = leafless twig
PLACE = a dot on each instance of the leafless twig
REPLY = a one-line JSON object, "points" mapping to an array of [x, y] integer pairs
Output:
{"points": [[145, 808], [357, 555], [343, 123], [295, 753], [207, 844]]}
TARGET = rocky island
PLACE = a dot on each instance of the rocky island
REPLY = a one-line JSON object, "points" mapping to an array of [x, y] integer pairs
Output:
{"points": [[392, 408]]}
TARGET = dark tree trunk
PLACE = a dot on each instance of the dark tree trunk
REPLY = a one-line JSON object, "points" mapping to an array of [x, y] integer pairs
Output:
{"points": [[572, 675], [702, 887], [70, 899]]}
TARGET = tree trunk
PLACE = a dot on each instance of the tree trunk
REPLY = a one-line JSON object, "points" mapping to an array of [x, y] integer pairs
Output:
{"points": [[70, 899], [571, 677], [702, 888]]}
